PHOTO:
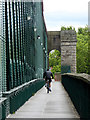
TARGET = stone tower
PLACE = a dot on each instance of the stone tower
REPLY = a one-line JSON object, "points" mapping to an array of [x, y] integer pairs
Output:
{"points": [[68, 49], [65, 42]]}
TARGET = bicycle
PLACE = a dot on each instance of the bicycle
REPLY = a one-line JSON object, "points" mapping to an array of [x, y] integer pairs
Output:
{"points": [[48, 86]]}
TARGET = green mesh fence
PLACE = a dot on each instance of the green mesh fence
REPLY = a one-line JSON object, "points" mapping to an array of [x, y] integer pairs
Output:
{"points": [[23, 52], [25, 43]]}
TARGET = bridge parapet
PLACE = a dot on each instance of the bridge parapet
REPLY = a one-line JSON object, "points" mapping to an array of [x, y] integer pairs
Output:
{"points": [[16, 97], [78, 88]]}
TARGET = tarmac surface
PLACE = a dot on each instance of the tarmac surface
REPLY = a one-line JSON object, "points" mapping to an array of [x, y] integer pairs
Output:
{"points": [[55, 104]]}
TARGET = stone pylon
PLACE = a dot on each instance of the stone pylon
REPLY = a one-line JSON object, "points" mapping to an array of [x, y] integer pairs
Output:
{"points": [[68, 51]]}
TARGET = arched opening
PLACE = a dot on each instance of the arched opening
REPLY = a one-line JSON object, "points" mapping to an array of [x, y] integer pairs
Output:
{"points": [[55, 61]]}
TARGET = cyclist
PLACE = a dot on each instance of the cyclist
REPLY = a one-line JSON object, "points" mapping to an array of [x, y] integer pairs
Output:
{"points": [[47, 75]]}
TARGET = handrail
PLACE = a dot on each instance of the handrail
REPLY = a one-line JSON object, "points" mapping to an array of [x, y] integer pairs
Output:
{"points": [[20, 87], [78, 87], [82, 76]]}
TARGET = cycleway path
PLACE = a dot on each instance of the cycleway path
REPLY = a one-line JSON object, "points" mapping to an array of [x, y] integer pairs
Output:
{"points": [[56, 104]]}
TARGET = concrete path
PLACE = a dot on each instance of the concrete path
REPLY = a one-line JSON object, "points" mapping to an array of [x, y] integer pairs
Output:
{"points": [[56, 104]]}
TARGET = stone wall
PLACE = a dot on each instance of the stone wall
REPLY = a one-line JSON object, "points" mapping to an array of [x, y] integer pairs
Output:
{"points": [[65, 42], [54, 41], [68, 49]]}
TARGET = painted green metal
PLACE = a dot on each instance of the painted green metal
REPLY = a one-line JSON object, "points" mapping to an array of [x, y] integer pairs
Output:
{"points": [[19, 98], [2, 49], [26, 43], [79, 92], [3, 108], [23, 51], [65, 69]]}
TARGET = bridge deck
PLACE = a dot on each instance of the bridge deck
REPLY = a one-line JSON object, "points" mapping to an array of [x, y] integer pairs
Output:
{"points": [[57, 104]]}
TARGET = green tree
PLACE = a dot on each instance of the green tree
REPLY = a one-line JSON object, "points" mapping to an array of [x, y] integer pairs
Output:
{"points": [[63, 28], [89, 52], [67, 28], [83, 31], [82, 50], [55, 61]]}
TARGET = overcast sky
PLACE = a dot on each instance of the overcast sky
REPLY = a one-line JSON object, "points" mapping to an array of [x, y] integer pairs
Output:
{"points": [[59, 13]]}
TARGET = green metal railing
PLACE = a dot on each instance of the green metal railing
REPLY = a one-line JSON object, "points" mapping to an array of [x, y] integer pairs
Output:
{"points": [[78, 88], [25, 48], [18, 98], [23, 53]]}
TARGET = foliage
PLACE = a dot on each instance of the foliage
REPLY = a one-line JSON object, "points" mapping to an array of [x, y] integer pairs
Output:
{"points": [[83, 31], [89, 52], [67, 28], [55, 61], [82, 50]]}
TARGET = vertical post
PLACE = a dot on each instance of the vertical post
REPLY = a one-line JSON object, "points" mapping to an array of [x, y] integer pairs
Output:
{"points": [[68, 51], [4, 86], [46, 64], [2, 53], [0, 50]]}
